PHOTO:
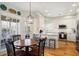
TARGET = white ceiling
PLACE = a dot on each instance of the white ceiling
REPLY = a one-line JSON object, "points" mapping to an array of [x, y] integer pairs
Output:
{"points": [[46, 8]]}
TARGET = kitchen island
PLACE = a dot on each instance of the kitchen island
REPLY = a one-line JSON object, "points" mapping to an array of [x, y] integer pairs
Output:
{"points": [[52, 36]]}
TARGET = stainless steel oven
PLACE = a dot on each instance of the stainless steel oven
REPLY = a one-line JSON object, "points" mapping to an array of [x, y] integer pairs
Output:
{"points": [[62, 35]]}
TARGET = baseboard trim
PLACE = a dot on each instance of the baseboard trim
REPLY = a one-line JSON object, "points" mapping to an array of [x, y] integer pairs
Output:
{"points": [[67, 40]]}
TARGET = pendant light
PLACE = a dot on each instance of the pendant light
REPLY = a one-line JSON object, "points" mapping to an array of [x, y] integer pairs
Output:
{"points": [[30, 17]]}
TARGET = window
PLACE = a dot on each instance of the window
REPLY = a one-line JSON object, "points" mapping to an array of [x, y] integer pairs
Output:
{"points": [[9, 26]]}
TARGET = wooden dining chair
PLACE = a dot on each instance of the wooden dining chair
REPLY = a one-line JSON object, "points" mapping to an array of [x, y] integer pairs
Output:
{"points": [[16, 37], [38, 50], [27, 36], [11, 49]]}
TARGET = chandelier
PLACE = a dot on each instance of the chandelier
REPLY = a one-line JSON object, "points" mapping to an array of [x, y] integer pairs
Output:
{"points": [[30, 17]]}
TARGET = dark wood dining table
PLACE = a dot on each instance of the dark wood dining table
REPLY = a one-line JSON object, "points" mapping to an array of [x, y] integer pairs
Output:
{"points": [[25, 43]]}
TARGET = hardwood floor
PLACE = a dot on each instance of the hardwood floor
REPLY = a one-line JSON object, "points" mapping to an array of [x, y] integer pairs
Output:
{"points": [[65, 49], [3, 53]]}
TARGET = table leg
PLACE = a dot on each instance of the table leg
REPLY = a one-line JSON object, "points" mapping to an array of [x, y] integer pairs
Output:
{"points": [[27, 50]]}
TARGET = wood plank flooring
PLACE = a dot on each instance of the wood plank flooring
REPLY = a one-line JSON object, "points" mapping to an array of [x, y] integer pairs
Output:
{"points": [[65, 49]]}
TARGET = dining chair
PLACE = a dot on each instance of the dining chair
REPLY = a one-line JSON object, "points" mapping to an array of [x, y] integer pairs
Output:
{"points": [[27, 36], [38, 50], [11, 49], [16, 37]]}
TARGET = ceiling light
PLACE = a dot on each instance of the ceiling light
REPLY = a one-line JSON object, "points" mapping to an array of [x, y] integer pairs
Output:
{"points": [[30, 17], [67, 16], [46, 10], [70, 10], [73, 5], [49, 14], [78, 10]]}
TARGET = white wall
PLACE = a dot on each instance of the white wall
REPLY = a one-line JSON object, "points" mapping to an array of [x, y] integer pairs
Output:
{"points": [[69, 21], [40, 23]]}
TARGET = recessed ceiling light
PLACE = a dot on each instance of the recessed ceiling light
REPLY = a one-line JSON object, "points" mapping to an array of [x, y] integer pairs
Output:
{"points": [[70, 10], [46, 10], [78, 10], [67, 16], [49, 14], [73, 5]]}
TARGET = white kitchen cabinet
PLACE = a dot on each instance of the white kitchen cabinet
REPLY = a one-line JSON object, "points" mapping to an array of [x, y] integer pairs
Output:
{"points": [[71, 37]]}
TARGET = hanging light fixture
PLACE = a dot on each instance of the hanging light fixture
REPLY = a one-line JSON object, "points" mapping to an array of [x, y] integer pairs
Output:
{"points": [[30, 17]]}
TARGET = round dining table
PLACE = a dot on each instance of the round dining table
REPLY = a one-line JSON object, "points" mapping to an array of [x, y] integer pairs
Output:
{"points": [[25, 43]]}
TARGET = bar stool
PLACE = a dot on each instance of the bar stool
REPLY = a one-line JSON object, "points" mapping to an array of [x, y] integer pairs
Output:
{"points": [[53, 41]]}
